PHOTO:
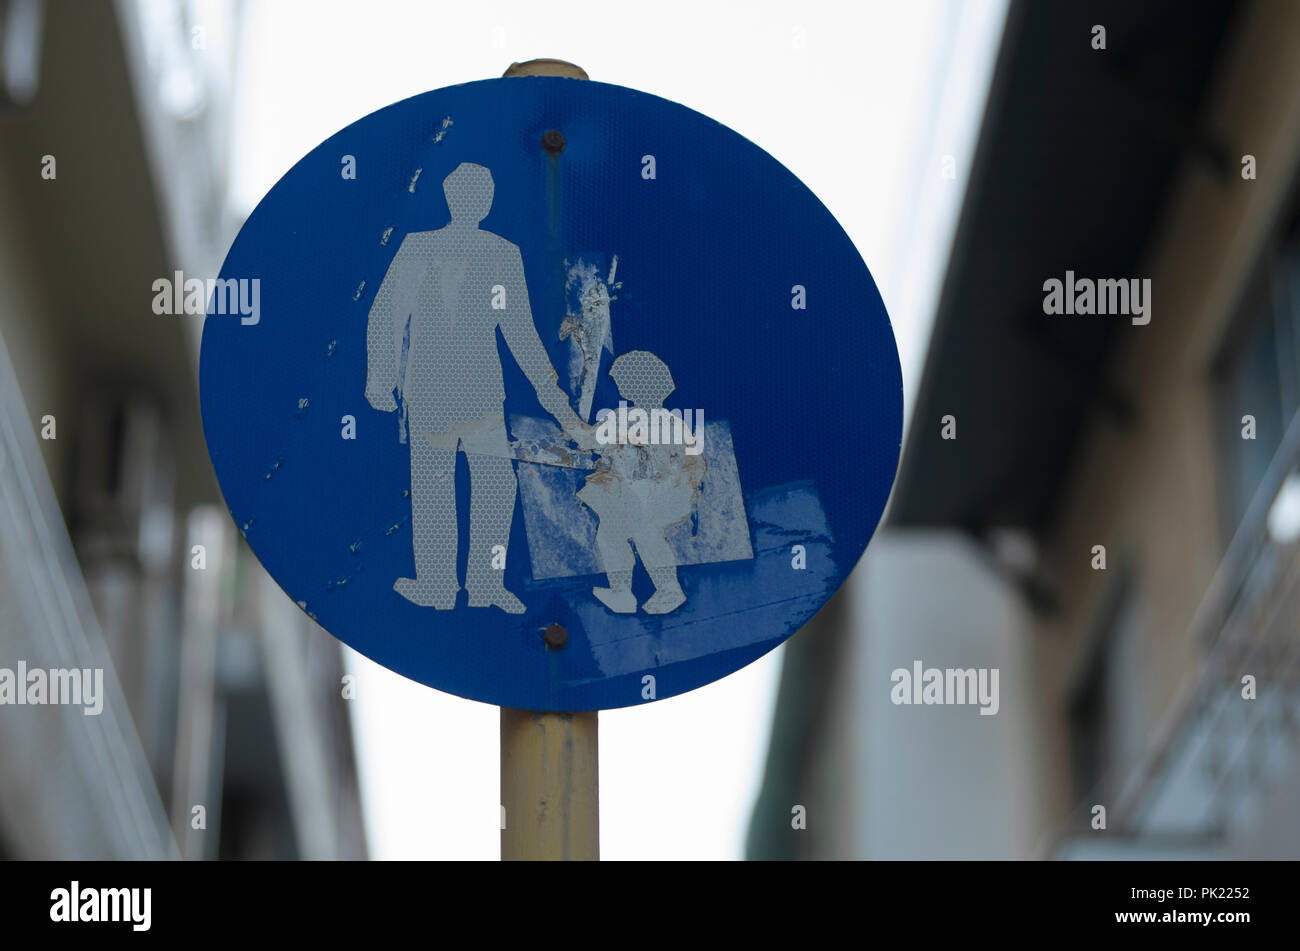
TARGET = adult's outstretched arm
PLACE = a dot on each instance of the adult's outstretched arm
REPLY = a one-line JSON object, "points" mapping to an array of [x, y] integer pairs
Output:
{"points": [[516, 323]]}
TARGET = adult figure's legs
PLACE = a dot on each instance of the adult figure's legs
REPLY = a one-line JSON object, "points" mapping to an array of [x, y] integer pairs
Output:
{"points": [[433, 523], [493, 488]]}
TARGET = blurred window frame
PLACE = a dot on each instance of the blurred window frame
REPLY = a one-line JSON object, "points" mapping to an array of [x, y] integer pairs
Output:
{"points": [[1257, 372]]}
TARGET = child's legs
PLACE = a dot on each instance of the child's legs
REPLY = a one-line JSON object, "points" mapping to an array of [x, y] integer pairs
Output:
{"points": [[653, 548], [661, 565], [615, 554], [660, 561]]}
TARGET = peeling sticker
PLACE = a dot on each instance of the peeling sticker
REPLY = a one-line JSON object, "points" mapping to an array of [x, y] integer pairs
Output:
{"points": [[777, 514], [414, 178], [446, 124], [561, 530], [360, 287], [588, 329], [388, 232]]}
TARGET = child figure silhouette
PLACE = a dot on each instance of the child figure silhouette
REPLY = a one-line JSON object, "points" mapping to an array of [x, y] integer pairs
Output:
{"points": [[641, 490]]}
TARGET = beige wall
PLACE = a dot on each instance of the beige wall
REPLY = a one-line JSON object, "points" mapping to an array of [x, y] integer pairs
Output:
{"points": [[1150, 492]]}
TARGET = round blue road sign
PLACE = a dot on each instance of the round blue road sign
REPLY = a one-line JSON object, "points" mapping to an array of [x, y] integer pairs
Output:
{"points": [[550, 393]]}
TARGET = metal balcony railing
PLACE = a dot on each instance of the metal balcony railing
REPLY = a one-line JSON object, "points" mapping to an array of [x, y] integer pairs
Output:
{"points": [[1215, 754]]}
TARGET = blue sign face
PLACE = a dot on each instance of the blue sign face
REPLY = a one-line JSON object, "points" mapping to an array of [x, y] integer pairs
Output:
{"points": [[550, 394]]}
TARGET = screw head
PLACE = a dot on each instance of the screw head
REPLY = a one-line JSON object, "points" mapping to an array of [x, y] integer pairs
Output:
{"points": [[553, 141], [555, 636]]}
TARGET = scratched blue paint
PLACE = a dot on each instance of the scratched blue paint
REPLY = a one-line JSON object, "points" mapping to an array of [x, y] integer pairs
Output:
{"points": [[708, 252]]}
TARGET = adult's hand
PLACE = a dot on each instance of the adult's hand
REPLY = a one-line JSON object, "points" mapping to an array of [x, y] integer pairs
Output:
{"points": [[381, 399]]}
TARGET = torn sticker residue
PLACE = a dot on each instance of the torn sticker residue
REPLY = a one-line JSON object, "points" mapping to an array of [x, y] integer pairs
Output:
{"points": [[561, 530], [767, 597], [587, 325]]}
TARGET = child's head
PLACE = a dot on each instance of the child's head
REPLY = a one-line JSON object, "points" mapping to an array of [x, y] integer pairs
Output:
{"points": [[642, 378]]}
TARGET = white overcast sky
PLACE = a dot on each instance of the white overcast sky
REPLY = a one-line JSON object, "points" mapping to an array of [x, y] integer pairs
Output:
{"points": [[860, 100]]}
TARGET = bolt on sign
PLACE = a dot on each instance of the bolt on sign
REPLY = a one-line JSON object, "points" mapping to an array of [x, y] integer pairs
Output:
{"points": [[559, 389]]}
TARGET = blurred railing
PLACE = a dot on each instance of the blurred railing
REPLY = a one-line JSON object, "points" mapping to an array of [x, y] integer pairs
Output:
{"points": [[1247, 625], [73, 786], [1216, 752]]}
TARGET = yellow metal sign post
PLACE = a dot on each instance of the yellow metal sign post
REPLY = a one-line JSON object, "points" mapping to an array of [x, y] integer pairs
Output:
{"points": [[550, 781]]}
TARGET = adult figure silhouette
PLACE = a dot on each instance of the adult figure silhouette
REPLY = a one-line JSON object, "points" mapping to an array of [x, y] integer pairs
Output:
{"points": [[455, 287]]}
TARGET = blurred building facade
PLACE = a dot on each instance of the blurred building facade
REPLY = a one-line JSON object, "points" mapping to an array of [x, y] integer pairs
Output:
{"points": [[1160, 683], [225, 732]]}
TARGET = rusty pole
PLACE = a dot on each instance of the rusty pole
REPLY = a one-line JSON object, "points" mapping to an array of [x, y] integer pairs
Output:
{"points": [[550, 784]]}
